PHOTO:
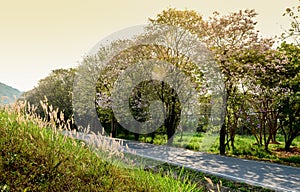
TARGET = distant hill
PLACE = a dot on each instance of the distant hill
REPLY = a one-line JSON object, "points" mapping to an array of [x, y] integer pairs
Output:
{"points": [[8, 94]]}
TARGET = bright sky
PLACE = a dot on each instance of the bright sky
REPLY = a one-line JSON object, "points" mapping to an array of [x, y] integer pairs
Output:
{"points": [[39, 36]]}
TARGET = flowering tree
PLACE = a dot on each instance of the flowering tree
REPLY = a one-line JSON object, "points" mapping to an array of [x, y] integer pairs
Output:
{"points": [[166, 57], [266, 69], [91, 104], [289, 102], [233, 38], [248, 63]]}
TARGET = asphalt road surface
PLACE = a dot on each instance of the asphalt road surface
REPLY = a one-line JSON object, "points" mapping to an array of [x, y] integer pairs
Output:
{"points": [[267, 175]]}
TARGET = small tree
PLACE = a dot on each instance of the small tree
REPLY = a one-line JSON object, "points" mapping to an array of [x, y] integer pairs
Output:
{"points": [[57, 87], [289, 102], [230, 37]]}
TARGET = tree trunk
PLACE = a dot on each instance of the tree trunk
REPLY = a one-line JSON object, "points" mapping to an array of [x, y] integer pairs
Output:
{"points": [[290, 136], [171, 127], [288, 143], [170, 140], [232, 143], [113, 130], [172, 119], [136, 136], [222, 139], [152, 137]]}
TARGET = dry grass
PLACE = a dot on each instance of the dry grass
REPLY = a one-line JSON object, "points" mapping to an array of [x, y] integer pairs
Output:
{"points": [[35, 156]]}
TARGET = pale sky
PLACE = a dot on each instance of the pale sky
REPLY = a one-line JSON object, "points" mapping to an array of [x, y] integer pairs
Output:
{"points": [[39, 36]]}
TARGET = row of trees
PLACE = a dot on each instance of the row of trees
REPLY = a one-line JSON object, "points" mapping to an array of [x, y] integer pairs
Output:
{"points": [[259, 90]]}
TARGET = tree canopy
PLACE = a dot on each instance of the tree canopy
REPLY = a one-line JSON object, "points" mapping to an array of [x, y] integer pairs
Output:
{"points": [[179, 69]]}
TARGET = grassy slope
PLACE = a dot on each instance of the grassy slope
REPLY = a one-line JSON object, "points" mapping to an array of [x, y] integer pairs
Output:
{"points": [[37, 159]]}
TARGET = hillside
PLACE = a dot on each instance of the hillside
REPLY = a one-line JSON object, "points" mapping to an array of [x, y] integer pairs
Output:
{"points": [[8, 94], [33, 158]]}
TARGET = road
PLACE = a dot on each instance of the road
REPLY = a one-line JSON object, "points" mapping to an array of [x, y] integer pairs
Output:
{"points": [[267, 175]]}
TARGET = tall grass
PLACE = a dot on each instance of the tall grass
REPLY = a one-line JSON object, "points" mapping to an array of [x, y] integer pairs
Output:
{"points": [[35, 156]]}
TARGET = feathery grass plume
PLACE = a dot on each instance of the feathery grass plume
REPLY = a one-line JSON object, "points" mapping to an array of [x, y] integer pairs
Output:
{"points": [[212, 187]]}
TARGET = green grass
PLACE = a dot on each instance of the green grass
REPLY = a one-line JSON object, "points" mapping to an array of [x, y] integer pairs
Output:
{"points": [[210, 182], [198, 141], [34, 158], [188, 141], [293, 159], [245, 146]]}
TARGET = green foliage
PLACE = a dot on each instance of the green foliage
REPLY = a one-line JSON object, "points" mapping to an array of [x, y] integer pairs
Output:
{"points": [[188, 141], [238, 51], [289, 101], [147, 91], [262, 83], [293, 159], [294, 30], [186, 19], [57, 87], [207, 182]]}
